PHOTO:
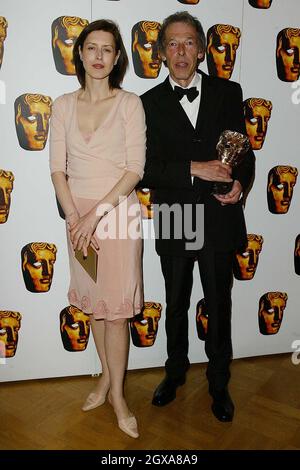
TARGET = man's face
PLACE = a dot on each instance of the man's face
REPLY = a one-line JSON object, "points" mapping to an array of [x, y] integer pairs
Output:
{"points": [[201, 320], [222, 53], [260, 3], [75, 329], [32, 123], [63, 40], [280, 191], [6, 187], [246, 261], [144, 196], [145, 325], [270, 314], [182, 52], [288, 57], [3, 29], [257, 118], [297, 255], [148, 58], [9, 332], [38, 270]]}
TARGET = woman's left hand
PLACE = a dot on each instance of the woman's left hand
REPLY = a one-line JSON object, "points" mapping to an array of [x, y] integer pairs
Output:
{"points": [[81, 233]]}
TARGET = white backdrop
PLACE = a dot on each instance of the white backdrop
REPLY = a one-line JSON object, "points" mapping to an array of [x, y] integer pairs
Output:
{"points": [[28, 67]]}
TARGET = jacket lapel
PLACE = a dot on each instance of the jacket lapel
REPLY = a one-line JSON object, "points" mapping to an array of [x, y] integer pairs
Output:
{"points": [[209, 104]]}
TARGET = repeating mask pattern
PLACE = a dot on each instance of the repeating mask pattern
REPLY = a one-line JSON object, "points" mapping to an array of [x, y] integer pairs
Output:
{"points": [[288, 54], [257, 114], [245, 262], [201, 320], [37, 265], [6, 186], [144, 46], [223, 41], [3, 34], [145, 196], [32, 114], [297, 255], [270, 313], [281, 182], [144, 326], [75, 328], [260, 3], [10, 323], [65, 30]]}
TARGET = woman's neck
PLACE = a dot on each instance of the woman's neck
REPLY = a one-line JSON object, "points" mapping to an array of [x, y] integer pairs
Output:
{"points": [[96, 90]]}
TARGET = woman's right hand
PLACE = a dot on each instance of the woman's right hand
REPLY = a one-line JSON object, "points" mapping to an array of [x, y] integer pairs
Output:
{"points": [[72, 219]]}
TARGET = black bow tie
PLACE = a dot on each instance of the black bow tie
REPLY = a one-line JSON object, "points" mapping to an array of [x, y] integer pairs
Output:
{"points": [[191, 93]]}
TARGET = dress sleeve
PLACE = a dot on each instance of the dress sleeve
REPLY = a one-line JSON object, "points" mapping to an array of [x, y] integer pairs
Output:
{"points": [[58, 154], [135, 135]]}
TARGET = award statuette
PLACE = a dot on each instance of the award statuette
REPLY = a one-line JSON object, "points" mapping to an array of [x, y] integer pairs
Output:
{"points": [[231, 148]]}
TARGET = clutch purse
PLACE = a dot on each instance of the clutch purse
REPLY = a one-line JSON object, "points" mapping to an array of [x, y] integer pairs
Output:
{"points": [[89, 262]]}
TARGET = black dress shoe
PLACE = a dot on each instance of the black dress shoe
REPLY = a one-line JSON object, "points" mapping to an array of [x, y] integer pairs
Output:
{"points": [[166, 391], [222, 406]]}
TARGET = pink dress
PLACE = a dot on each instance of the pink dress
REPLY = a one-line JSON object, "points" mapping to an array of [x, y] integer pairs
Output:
{"points": [[94, 163]]}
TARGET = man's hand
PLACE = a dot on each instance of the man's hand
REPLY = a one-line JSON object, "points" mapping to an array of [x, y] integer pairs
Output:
{"points": [[213, 170], [233, 196]]}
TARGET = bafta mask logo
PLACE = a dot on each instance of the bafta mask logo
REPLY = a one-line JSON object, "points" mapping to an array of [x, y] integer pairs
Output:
{"points": [[287, 54], [75, 328], [32, 114], [257, 114], [145, 197], [245, 262], [65, 31], [145, 54], [201, 320], [3, 34], [222, 43], [6, 187], [144, 326], [10, 323], [270, 313], [189, 2], [297, 255], [281, 182], [260, 3], [37, 265]]}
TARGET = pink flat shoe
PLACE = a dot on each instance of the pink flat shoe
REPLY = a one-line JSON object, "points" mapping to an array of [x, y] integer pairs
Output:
{"points": [[129, 426], [93, 400]]}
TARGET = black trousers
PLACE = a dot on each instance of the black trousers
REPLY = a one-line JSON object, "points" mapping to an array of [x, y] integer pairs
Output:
{"points": [[216, 277]]}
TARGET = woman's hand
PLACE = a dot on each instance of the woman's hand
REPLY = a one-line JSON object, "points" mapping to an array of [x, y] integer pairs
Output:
{"points": [[82, 232]]}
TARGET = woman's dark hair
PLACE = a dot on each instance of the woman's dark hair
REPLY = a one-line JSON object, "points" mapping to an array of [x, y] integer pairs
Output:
{"points": [[117, 74], [182, 17]]}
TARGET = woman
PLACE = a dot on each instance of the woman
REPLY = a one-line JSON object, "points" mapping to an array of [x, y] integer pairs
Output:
{"points": [[97, 155]]}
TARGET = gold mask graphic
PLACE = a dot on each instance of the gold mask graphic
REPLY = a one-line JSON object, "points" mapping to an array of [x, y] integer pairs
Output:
{"points": [[3, 34], [257, 114], [246, 260], [10, 323], [145, 197], [37, 265], [281, 182], [270, 313], [189, 2], [287, 54], [201, 320], [32, 114], [6, 187], [260, 3], [145, 54], [75, 328], [222, 43], [144, 326], [297, 255], [65, 31]]}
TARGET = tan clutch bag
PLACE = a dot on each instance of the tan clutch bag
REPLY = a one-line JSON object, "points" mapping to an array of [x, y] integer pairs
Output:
{"points": [[89, 263]]}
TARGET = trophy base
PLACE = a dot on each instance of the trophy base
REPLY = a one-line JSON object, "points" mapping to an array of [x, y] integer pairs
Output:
{"points": [[221, 188]]}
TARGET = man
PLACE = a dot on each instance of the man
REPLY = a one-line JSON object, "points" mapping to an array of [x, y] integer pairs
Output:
{"points": [[181, 166]]}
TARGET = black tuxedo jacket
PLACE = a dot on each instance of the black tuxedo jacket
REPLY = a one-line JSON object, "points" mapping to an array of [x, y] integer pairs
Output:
{"points": [[172, 143]]}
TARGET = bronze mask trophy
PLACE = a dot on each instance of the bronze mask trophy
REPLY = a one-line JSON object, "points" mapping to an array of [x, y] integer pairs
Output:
{"points": [[231, 148]]}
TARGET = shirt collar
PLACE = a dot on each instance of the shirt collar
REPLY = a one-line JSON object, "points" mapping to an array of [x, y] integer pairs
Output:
{"points": [[195, 82]]}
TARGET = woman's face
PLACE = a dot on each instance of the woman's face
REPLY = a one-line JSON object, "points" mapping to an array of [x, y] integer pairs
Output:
{"points": [[98, 54]]}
